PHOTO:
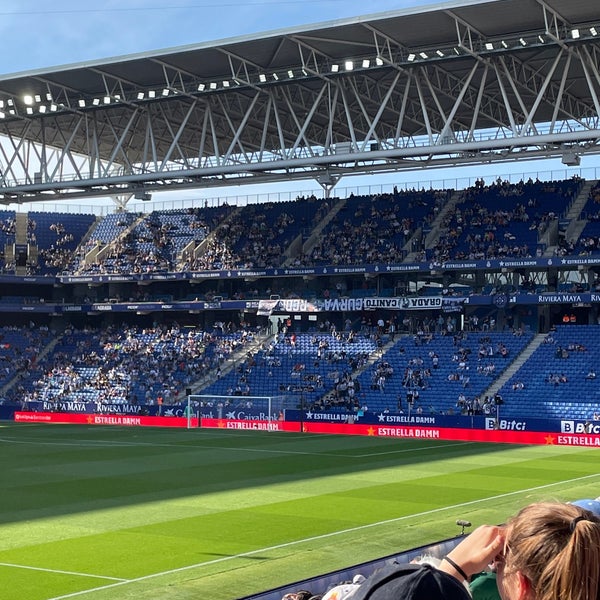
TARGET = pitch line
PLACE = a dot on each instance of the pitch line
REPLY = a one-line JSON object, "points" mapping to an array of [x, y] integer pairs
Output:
{"points": [[319, 537], [60, 572]]}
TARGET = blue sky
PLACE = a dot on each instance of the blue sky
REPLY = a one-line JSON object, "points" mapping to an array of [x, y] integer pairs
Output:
{"points": [[37, 34]]}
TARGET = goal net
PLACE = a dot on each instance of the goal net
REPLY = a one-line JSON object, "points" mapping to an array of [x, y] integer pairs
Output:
{"points": [[260, 408]]}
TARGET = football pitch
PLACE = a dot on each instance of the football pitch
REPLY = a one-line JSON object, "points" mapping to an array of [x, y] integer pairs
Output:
{"points": [[99, 513]]}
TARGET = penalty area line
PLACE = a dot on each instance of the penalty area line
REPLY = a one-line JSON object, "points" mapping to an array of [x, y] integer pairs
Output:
{"points": [[320, 537]]}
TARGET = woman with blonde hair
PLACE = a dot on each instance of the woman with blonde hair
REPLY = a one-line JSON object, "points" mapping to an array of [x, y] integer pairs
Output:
{"points": [[547, 551], [551, 552]]}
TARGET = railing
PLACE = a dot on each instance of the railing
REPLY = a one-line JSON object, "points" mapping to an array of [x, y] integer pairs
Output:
{"points": [[104, 206]]}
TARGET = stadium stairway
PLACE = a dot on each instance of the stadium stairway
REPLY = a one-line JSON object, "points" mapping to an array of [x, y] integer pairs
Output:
{"points": [[315, 236], [39, 357], [433, 235], [231, 362], [515, 365]]}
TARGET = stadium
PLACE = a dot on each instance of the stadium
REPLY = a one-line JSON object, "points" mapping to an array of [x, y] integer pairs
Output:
{"points": [[249, 396]]}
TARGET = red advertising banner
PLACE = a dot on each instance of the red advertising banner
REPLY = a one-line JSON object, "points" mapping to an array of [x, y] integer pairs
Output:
{"points": [[409, 432], [86, 419], [405, 431]]}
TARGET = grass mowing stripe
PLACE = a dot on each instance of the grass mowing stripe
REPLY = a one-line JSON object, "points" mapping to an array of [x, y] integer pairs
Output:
{"points": [[122, 444], [320, 537], [61, 572]]}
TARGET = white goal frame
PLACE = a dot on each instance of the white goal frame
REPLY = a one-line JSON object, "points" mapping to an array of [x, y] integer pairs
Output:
{"points": [[272, 405]]}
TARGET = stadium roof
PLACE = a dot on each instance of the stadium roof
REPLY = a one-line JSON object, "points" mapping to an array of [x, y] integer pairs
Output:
{"points": [[445, 84]]}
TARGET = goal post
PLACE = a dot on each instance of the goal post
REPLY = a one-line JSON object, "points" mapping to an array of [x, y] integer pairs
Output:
{"points": [[262, 408]]}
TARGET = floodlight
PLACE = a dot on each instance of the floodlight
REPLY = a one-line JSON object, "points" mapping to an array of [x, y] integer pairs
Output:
{"points": [[81, 103], [262, 78], [165, 91], [411, 57], [226, 83], [593, 31], [349, 65], [29, 110], [489, 46], [575, 34], [213, 85], [366, 63], [49, 97], [151, 94], [423, 54], [379, 61], [38, 98], [28, 99], [42, 108], [201, 87], [335, 68], [106, 99], [522, 42], [439, 53], [96, 101]]}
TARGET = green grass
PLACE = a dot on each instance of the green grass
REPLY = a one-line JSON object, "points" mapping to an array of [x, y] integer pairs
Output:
{"points": [[118, 513]]}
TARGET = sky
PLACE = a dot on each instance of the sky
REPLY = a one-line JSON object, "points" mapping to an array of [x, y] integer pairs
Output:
{"points": [[37, 34]]}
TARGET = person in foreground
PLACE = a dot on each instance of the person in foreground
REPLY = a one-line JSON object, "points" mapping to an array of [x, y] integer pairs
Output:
{"points": [[548, 551]]}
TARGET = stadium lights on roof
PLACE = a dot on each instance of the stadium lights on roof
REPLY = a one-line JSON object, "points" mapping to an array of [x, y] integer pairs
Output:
{"points": [[593, 31], [575, 34], [213, 85], [29, 110], [275, 77], [423, 55], [96, 101], [335, 68], [349, 65], [2, 115], [42, 108], [201, 87], [165, 91], [439, 53], [53, 107], [541, 38], [379, 61], [489, 46], [226, 83], [522, 42], [504, 44], [140, 95], [262, 78], [106, 99], [151, 94], [38, 98], [49, 97], [291, 74], [81, 103], [411, 57], [28, 100], [366, 63]]}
